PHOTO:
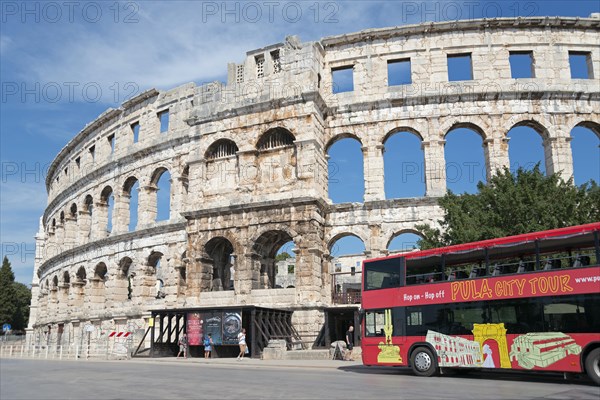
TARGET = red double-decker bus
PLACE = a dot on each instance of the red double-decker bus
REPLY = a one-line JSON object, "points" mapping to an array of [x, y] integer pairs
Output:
{"points": [[528, 302]]}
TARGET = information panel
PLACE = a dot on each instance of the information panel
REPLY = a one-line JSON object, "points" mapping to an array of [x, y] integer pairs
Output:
{"points": [[194, 329]]}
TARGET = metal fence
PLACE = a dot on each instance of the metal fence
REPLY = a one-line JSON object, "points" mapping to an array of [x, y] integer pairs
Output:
{"points": [[110, 350]]}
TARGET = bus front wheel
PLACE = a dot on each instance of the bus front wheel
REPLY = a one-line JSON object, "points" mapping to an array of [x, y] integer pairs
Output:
{"points": [[423, 362], [592, 365]]}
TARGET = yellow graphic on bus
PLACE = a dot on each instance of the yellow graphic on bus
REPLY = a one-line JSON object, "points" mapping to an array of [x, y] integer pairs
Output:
{"points": [[388, 352], [494, 332]]}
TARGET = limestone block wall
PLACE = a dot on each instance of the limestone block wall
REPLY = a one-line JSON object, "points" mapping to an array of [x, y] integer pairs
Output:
{"points": [[248, 166]]}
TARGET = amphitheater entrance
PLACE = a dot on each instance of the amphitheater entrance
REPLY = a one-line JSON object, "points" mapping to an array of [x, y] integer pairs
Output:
{"points": [[269, 248], [218, 251], [223, 324]]}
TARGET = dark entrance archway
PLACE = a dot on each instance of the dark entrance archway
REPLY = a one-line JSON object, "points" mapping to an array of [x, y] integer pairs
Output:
{"points": [[219, 252], [266, 248]]}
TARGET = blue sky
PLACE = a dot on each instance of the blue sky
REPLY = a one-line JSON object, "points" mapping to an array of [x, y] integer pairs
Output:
{"points": [[61, 65]]}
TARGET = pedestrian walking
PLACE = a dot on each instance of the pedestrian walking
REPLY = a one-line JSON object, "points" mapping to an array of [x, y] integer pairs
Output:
{"points": [[182, 346], [208, 342], [242, 343], [349, 343]]}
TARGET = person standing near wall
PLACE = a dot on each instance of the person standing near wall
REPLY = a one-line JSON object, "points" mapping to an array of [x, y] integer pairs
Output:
{"points": [[208, 342], [349, 343], [182, 346], [242, 343]]}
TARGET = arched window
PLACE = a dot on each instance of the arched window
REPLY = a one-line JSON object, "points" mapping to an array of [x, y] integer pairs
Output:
{"points": [[526, 147], [161, 179], [107, 198], [81, 275], [131, 191], [100, 271], [73, 211], [346, 181], [274, 138], [66, 278], [406, 241], [586, 153], [465, 162], [220, 149], [403, 165]]}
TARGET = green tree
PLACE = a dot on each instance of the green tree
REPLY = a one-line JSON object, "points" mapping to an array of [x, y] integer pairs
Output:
{"points": [[8, 305], [512, 204], [282, 256], [23, 300]]}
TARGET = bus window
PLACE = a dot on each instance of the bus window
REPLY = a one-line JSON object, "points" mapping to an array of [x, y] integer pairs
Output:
{"points": [[382, 274], [423, 270], [572, 313], [375, 322]]}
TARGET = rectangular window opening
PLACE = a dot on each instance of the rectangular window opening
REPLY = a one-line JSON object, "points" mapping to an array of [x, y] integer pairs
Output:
{"points": [[580, 63], [135, 128], [275, 56], [342, 79], [239, 74], [78, 162], [260, 66], [521, 64], [163, 117], [399, 72], [460, 67], [93, 153], [111, 141]]}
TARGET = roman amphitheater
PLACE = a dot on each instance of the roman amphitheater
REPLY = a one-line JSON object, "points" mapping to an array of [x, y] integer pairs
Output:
{"points": [[246, 167]]}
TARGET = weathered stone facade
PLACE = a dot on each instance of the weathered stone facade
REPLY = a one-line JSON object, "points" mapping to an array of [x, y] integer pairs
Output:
{"points": [[248, 167]]}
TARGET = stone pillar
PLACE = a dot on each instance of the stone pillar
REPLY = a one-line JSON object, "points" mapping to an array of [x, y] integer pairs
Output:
{"points": [[177, 196], [247, 275], [84, 222], [558, 155], [121, 214], [435, 167], [308, 275], [100, 221], [326, 291], [60, 234], [373, 172], [70, 232], [147, 206], [248, 171], [496, 155]]}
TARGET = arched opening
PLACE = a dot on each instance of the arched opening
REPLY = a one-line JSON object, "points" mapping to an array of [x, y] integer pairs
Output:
{"points": [[100, 272], [585, 148], [66, 278], [131, 190], [403, 242], [108, 200], [185, 179], [275, 138], [346, 182], [154, 262], [276, 159], [62, 217], [285, 266], [55, 283], [73, 211], [347, 252], [222, 148], [404, 163], [526, 147], [266, 248], [125, 280], [161, 180], [219, 251], [81, 275], [465, 161], [86, 220]]}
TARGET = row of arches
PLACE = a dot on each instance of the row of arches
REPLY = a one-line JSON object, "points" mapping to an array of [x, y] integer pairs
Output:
{"points": [[464, 149], [76, 224]]}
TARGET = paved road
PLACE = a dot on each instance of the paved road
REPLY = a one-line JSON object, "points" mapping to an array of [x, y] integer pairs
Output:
{"points": [[255, 379]]}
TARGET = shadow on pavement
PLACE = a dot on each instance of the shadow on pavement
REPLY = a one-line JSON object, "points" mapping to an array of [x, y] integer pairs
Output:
{"points": [[538, 377]]}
